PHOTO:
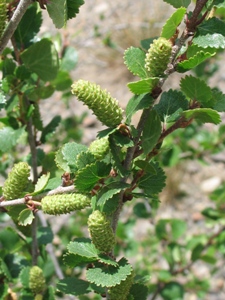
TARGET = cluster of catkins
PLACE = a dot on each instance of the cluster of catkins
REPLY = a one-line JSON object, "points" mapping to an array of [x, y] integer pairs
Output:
{"points": [[108, 111]]}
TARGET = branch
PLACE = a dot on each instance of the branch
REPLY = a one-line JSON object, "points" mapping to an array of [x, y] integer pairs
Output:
{"points": [[14, 22], [25, 200]]}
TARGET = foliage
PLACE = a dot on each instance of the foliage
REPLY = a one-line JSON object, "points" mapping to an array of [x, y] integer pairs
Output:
{"points": [[123, 167]]}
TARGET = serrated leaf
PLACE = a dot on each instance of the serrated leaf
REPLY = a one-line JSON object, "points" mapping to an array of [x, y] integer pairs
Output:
{"points": [[88, 177], [178, 3], [169, 103], [50, 128], [153, 183], [146, 166], [196, 89], [83, 247], [121, 140], [108, 276], [46, 62], [211, 33], [204, 115], [26, 217], [171, 24], [41, 184], [56, 11], [117, 159], [219, 99], [108, 192], [139, 291], [73, 260], [134, 59], [107, 260], [61, 162], [28, 27], [193, 61], [73, 8], [143, 86], [9, 137], [137, 102], [151, 132], [84, 159], [70, 152], [145, 44], [67, 285]]}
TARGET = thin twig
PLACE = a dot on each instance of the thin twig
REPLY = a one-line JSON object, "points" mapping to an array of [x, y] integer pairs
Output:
{"points": [[35, 251], [13, 23]]}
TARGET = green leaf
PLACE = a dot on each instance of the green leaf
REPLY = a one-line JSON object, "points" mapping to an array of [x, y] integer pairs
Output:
{"points": [[107, 192], [134, 59], [88, 177], [145, 44], [211, 213], [140, 210], [63, 81], [204, 115], [107, 260], [73, 260], [41, 184], [49, 129], [44, 235], [117, 159], [9, 137], [211, 33], [172, 291], [73, 286], [193, 61], [108, 276], [153, 183], [143, 86], [169, 103], [28, 27], [56, 11], [178, 228], [62, 10], [83, 247], [43, 92], [26, 217], [83, 159], [197, 251], [151, 132], [61, 162], [219, 99], [196, 89], [69, 59], [178, 3], [70, 153], [42, 59], [73, 8], [121, 140], [137, 102], [171, 24], [145, 166], [139, 291]]}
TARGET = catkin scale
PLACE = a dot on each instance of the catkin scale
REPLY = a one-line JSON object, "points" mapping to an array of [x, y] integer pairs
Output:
{"points": [[99, 148], [3, 16], [101, 232], [36, 280], [158, 57], [64, 203], [106, 108], [121, 291], [17, 181]]}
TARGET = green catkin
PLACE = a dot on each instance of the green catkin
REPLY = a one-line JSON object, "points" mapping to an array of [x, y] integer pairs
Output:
{"points": [[158, 57], [3, 16], [36, 280], [99, 148], [101, 232], [64, 203], [17, 181], [121, 291], [106, 108]]}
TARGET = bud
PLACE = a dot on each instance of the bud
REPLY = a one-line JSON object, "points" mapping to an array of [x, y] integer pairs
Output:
{"points": [[3, 16], [101, 232], [99, 148], [64, 203], [17, 181], [105, 107], [36, 280], [121, 291], [158, 57]]}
